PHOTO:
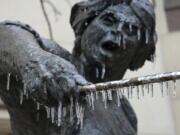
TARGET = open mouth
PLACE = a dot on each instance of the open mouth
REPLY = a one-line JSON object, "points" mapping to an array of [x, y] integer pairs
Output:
{"points": [[109, 48]]}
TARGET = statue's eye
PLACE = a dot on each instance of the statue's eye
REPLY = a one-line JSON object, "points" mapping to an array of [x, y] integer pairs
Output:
{"points": [[130, 29], [109, 20]]}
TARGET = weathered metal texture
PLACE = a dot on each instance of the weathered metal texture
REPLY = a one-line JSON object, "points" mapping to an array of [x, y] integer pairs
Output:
{"points": [[37, 75]]}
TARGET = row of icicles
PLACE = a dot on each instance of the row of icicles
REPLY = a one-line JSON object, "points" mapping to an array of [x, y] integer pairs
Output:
{"points": [[104, 95]]}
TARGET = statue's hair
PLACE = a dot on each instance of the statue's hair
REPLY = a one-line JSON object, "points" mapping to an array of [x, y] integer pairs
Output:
{"points": [[83, 13]]}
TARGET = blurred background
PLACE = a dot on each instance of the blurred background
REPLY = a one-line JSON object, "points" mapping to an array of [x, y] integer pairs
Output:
{"points": [[157, 115]]}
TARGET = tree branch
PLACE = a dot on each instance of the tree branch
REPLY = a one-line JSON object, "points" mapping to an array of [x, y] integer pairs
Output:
{"points": [[47, 19], [172, 76]]}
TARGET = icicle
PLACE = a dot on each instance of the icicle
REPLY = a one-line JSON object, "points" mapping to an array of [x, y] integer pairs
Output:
{"points": [[24, 89], [152, 90], [124, 43], [17, 78], [167, 88], [60, 114], [138, 92], [130, 27], [109, 92], [77, 112], [52, 114], [103, 71], [97, 73], [104, 97], [118, 97], [97, 95], [21, 98], [131, 91], [81, 117], [148, 90], [38, 106], [147, 36], [139, 34], [37, 117], [174, 89], [71, 109], [48, 111], [86, 23], [142, 89], [64, 111], [27, 95], [92, 100], [162, 89], [8, 81], [89, 99]]}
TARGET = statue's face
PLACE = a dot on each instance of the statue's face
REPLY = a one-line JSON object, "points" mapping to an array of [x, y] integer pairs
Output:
{"points": [[111, 40]]}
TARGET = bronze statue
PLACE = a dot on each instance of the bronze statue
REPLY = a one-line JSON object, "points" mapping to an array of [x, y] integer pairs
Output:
{"points": [[40, 79]]}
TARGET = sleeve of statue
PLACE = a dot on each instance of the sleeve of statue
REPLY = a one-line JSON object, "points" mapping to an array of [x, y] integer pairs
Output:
{"points": [[46, 76]]}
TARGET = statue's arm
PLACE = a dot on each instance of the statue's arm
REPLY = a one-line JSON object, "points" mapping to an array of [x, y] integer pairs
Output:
{"points": [[46, 75]]}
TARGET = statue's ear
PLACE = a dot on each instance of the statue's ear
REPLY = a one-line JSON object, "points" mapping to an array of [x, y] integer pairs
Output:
{"points": [[144, 52]]}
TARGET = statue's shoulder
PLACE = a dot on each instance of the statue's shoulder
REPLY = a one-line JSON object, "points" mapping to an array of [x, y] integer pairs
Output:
{"points": [[54, 48]]}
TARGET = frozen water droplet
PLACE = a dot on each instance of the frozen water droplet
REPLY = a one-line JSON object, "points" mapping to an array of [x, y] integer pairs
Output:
{"points": [[52, 114], [147, 36], [103, 71], [97, 73], [38, 106], [48, 111], [71, 109], [139, 34], [59, 114], [8, 81], [21, 98], [109, 95], [174, 89], [104, 97]]}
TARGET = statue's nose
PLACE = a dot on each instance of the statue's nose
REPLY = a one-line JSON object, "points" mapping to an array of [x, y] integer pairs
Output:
{"points": [[109, 48]]}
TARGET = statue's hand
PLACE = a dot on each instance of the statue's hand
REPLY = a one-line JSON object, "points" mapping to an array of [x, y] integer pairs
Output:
{"points": [[50, 79]]}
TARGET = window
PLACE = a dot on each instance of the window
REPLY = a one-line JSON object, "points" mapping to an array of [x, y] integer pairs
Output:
{"points": [[172, 8]]}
